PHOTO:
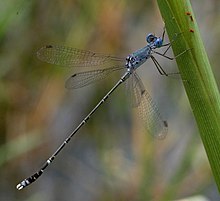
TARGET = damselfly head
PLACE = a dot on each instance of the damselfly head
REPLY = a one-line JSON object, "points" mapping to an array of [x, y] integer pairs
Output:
{"points": [[158, 42], [151, 38]]}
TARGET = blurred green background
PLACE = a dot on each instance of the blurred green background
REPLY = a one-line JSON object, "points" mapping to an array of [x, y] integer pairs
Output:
{"points": [[112, 157]]}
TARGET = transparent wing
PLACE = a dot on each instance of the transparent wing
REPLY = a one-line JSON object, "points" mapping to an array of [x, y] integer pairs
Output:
{"points": [[148, 109], [69, 57], [85, 78], [133, 91]]}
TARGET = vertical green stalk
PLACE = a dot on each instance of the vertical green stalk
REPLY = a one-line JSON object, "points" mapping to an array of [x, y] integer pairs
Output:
{"points": [[197, 74]]}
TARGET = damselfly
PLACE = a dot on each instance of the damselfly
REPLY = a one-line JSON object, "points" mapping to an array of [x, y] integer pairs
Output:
{"points": [[71, 57]]}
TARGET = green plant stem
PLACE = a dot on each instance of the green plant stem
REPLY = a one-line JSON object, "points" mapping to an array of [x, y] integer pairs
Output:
{"points": [[197, 75]]}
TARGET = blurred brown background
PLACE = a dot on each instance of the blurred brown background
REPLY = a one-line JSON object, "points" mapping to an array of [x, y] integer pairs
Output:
{"points": [[111, 158]]}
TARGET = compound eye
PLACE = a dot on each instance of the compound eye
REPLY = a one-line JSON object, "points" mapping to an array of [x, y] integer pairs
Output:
{"points": [[150, 38], [158, 42]]}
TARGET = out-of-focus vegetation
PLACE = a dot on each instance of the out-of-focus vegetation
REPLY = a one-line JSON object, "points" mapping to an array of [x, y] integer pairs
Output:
{"points": [[111, 158]]}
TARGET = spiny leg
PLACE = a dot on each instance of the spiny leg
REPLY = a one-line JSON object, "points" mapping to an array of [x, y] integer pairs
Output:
{"points": [[158, 66], [171, 58], [168, 44], [163, 34], [160, 69]]}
